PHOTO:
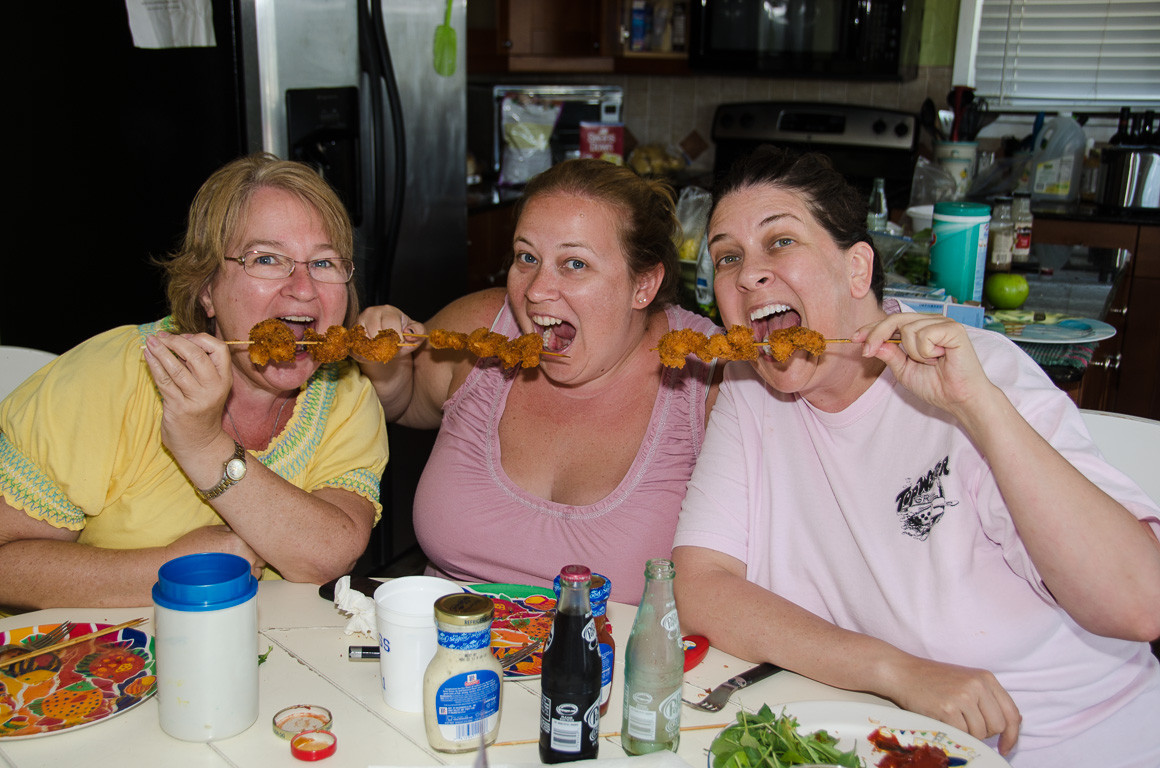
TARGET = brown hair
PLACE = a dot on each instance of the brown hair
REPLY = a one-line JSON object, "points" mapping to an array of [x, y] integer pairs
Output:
{"points": [[218, 214], [648, 226], [838, 207]]}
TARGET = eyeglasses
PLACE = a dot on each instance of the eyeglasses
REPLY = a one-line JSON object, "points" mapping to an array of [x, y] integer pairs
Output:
{"points": [[275, 266]]}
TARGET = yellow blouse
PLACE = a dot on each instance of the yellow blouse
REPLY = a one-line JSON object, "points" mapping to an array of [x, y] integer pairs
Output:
{"points": [[80, 445]]}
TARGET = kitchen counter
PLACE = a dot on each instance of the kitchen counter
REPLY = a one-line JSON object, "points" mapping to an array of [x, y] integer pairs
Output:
{"points": [[1093, 213]]}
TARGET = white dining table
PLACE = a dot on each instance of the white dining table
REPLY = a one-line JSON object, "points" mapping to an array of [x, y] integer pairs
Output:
{"points": [[309, 665]]}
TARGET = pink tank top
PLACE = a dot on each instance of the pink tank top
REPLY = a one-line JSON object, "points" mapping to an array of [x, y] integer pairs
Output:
{"points": [[476, 525]]}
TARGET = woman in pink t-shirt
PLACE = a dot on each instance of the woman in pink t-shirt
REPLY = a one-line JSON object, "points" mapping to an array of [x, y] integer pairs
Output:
{"points": [[926, 521], [585, 457]]}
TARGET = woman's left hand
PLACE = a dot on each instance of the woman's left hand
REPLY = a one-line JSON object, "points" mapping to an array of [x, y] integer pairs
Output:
{"points": [[935, 360], [193, 375]]}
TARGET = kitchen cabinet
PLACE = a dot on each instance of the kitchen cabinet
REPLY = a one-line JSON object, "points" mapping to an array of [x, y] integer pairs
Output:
{"points": [[1124, 373], [538, 36], [490, 230], [652, 37]]}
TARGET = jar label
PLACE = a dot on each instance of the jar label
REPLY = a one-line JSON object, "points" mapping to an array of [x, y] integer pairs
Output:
{"points": [[606, 660], [467, 705], [465, 641]]}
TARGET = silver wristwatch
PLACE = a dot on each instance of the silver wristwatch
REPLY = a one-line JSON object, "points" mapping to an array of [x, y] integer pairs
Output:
{"points": [[232, 474]]}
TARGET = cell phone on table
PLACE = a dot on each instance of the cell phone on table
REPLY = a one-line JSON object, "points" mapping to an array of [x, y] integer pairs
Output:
{"points": [[363, 584]]}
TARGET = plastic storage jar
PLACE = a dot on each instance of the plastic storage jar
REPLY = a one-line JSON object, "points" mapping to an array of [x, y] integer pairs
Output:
{"points": [[1057, 164], [958, 254], [206, 630]]}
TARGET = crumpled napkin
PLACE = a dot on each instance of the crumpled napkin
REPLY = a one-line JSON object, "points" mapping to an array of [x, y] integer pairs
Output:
{"points": [[360, 608]]}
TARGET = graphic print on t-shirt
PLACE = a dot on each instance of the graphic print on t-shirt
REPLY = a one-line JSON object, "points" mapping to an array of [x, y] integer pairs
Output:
{"points": [[922, 503]]}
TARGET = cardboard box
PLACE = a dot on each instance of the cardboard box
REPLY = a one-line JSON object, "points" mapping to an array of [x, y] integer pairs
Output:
{"points": [[967, 314]]}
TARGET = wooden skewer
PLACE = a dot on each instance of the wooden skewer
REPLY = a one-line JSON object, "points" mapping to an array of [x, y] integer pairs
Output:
{"points": [[608, 735], [304, 342], [427, 336], [70, 641], [847, 341]]}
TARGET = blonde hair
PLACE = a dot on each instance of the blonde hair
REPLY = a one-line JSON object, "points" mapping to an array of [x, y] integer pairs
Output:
{"points": [[218, 214]]}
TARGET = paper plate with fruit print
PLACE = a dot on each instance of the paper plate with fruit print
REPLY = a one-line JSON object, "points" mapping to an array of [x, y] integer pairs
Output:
{"points": [[75, 686], [523, 614]]}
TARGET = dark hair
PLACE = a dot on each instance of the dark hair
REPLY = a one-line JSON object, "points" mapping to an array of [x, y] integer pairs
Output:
{"points": [[838, 207], [648, 227], [218, 213]]}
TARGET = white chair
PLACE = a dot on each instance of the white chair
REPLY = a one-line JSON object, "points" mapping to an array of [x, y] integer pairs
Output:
{"points": [[17, 364], [1130, 444]]}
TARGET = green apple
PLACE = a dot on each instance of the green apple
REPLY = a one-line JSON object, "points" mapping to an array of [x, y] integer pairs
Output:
{"points": [[1006, 290]]}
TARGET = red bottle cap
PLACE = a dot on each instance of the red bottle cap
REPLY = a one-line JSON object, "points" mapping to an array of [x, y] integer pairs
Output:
{"points": [[576, 574], [313, 745]]}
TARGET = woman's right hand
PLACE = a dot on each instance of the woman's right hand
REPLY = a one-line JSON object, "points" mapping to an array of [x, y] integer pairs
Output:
{"points": [[217, 538], [970, 699], [384, 317]]}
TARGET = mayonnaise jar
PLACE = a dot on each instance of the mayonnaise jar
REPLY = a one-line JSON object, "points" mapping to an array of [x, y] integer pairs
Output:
{"points": [[463, 685]]}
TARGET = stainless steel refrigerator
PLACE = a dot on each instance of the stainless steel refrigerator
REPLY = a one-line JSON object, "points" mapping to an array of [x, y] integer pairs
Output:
{"points": [[112, 142]]}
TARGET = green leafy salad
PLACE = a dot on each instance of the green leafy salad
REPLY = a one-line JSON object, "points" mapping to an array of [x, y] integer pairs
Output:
{"points": [[766, 740]]}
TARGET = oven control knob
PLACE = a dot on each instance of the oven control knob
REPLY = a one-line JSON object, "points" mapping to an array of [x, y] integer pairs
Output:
{"points": [[901, 130], [879, 126]]}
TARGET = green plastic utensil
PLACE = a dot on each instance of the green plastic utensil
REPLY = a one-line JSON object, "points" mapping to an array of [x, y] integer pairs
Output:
{"points": [[446, 45]]}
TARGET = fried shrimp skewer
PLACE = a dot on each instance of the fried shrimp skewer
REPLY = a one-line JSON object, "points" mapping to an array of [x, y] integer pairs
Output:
{"points": [[736, 344]]}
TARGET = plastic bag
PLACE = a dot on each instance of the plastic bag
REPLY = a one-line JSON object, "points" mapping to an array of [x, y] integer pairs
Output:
{"points": [[527, 133], [693, 213], [932, 184]]}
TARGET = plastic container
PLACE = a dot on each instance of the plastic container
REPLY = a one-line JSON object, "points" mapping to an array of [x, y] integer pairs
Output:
{"points": [[405, 618], [958, 158], [206, 633], [1057, 165], [958, 254]]}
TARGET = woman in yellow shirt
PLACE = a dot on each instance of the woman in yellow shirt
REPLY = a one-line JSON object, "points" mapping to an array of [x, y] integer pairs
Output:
{"points": [[147, 443]]}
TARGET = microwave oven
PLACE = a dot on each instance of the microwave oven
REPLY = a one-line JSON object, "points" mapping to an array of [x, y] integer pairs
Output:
{"points": [[831, 39]]}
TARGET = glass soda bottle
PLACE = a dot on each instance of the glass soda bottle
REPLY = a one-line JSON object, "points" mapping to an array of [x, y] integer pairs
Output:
{"points": [[598, 594], [654, 667], [570, 675], [877, 212]]}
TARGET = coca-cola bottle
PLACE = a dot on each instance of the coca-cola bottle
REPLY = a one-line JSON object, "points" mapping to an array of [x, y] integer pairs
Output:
{"points": [[570, 675]]}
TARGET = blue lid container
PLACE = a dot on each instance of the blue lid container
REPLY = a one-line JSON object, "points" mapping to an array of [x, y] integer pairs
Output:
{"points": [[209, 581]]}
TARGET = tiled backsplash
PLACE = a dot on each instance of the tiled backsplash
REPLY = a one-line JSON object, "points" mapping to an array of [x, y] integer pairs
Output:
{"points": [[666, 109]]}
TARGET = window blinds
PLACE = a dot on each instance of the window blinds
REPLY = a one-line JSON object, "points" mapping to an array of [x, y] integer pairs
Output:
{"points": [[1095, 53]]}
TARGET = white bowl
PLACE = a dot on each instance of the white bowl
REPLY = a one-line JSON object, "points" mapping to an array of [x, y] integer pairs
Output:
{"points": [[921, 216]]}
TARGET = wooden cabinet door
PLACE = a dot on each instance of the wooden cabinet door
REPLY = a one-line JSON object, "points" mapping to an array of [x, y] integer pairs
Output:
{"points": [[1138, 380]]}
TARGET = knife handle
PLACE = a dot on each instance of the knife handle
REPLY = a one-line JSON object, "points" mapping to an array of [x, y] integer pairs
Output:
{"points": [[750, 676]]}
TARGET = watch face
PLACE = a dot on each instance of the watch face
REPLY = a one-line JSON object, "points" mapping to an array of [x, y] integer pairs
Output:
{"points": [[236, 469]]}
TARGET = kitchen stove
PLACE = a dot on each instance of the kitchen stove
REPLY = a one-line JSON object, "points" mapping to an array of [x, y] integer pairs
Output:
{"points": [[863, 143]]}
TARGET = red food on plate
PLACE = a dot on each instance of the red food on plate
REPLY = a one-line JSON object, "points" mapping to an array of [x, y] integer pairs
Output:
{"points": [[898, 756]]}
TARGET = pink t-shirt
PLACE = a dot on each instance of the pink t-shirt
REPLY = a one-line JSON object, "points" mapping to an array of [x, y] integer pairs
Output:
{"points": [[475, 524], [884, 519]]}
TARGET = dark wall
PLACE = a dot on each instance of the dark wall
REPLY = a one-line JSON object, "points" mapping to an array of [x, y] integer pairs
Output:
{"points": [[110, 144]]}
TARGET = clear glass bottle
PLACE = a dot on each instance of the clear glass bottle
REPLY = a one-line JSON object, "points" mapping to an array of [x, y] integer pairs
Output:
{"points": [[877, 213], [1001, 242], [463, 684], [570, 675], [654, 667]]}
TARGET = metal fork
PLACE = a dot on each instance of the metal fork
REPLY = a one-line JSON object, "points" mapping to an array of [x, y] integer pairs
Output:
{"points": [[50, 638], [720, 695]]}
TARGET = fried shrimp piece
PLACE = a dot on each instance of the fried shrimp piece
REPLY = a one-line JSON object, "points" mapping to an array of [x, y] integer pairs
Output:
{"points": [[334, 346], [784, 341], [440, 339], [485, 343], [528, 347], [676, 345], [741, 343], [381, 349], [272, 341]]}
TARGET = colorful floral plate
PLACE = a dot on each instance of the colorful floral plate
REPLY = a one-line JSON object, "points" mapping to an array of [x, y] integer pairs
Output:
{"points": [[523, 614], [74, 686]]}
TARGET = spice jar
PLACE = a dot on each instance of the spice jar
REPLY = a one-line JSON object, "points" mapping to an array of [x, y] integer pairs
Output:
{"points": [[1001, 240], [463, 684], [1021, 213]]}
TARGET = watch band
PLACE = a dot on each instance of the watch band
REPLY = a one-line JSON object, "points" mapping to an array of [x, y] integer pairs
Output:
{"points": [[227, 481]]}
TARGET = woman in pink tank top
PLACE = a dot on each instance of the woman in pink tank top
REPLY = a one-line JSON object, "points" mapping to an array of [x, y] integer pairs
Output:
{"points": [[585, 457]]}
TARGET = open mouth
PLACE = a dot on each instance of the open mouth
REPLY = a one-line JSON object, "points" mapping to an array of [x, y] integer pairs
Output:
{"points": [[558, 334], [298, 325], [772, 317]]}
